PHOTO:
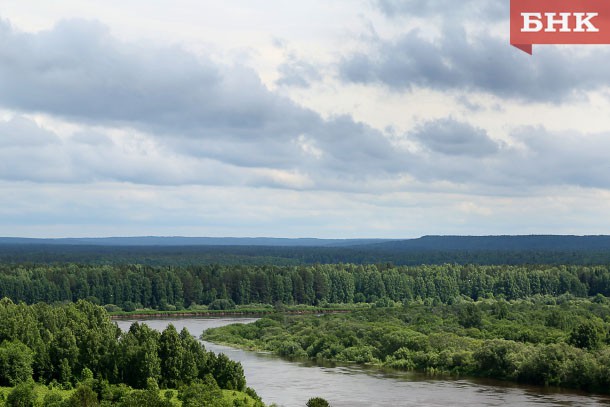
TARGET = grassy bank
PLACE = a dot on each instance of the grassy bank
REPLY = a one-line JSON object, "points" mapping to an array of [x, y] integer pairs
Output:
{"points": [[240, 310], [41, 395]]}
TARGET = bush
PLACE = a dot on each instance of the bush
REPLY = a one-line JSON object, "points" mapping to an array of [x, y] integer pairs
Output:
{"points": [[84, 396], [22, 395], [221, 304], [53, 399], [112, 308], [129, 306], [203, 394], [495, 358], [317, 402], [291, 349]]}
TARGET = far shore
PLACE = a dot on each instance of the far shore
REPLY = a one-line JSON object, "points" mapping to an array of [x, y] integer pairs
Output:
{"points": [[219, 313]]}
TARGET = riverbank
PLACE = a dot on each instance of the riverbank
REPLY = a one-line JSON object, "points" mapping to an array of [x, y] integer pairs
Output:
{"points": [[238, 312], [535, 342]]}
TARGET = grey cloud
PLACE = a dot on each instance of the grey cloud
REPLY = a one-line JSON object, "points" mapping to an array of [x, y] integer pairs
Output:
{"points": [[479, 63], [192, 106], [451, 137], [473, 107], [91, 139], [207, 124], [486, 9], [341, 156], [297, 72], [560, 158], [78, 69], [539, 158], [21, 132]]}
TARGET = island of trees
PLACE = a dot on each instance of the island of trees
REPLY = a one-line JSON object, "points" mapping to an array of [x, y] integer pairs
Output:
{"points": [[552, 341]]}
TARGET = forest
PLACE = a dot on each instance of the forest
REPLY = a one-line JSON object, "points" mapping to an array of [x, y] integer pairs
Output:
{"points": [[76, 356], [131, 287], [537, 324], [481, 250]]}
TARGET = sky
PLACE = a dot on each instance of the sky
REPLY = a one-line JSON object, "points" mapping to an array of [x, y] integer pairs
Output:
{"points": [[318, 118]]}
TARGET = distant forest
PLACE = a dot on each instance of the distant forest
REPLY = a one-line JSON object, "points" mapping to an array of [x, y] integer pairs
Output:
{"points": [[483, 250]]}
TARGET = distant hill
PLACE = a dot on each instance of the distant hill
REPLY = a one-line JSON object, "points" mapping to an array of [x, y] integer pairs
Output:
{"points": [[192, 241], [497, 243]]}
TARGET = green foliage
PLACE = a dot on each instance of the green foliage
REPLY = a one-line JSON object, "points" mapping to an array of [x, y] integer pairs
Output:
{"points": [[222, 304], [53, 399], [317, 402], [76, 343], [119, 395], [586, 335], [496, 358], [509, 340], [139, 350], [228, 374], [149, 397], [130, 287], [15, 363], [83, 396], [204, 393], [22, 395], [470, 316]]}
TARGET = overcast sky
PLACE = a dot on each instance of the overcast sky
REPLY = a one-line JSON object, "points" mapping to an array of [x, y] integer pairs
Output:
{"points": [[318, 118]]}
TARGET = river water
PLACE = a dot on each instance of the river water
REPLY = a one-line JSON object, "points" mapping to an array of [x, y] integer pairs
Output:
{"points": [[291, 384]]}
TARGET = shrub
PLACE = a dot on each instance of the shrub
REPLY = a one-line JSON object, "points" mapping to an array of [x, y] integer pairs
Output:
{"points": [[221, 304]]}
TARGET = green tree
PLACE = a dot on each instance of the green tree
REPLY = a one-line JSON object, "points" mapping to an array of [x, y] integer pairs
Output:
{"points": [[149, 397], [586, 336], [205, 393], [63, 354], [53, 399], [22, 395], [171, 354], [222, 304], [470, 316], [83, 396], [317, 402], [228, 373], [496, 358], [15, 363], [140, 355]]}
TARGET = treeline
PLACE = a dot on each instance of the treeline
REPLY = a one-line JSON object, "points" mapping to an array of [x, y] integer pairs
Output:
{"points": [[544, 340], [283, 255], [62, 345], [137, 286]]}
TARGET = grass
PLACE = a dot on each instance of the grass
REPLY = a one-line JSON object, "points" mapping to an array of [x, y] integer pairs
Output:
{"points": [[42, 390]]}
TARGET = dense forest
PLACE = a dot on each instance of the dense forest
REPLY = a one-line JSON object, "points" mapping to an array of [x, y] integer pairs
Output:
{"points": [[77, 346], [530, 322], [544, 340], [170, 288], [483, 250]]}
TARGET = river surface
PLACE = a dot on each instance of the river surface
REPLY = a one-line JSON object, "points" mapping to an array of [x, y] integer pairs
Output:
{"points": [[291, 384]]}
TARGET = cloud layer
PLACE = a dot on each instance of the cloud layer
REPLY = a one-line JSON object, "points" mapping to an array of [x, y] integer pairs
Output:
{"points": [[82, 108], [480, 62]]}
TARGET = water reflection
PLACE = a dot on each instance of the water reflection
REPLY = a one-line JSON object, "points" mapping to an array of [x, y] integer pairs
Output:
{"points": [[291, 384]]}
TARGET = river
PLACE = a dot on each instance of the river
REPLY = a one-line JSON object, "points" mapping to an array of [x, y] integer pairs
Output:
{"points": [[291, 384]]}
